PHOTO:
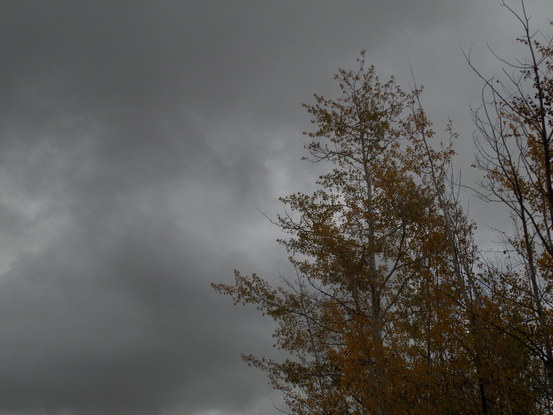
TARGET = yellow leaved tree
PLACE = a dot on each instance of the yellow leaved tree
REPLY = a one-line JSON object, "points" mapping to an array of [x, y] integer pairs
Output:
{"points": [[392, 309], [376, 318]]}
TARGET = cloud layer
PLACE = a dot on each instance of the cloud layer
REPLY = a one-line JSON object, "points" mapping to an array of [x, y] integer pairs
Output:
{"points": [[138, 142]]}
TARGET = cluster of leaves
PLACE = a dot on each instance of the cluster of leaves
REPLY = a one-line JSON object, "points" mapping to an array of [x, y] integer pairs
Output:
{"points": [[393, 310]]}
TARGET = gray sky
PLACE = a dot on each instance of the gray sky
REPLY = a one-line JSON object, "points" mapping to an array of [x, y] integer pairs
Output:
{"points": [[138, 142]]}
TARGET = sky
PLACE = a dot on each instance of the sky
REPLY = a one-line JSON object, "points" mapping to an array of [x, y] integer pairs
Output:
{"points": [[144, 144]]}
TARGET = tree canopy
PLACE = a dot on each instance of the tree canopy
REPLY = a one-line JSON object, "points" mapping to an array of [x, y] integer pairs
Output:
{"points": [[393, 309]]}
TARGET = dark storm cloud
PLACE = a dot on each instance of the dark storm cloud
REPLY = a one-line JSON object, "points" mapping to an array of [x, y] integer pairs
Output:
{"points": [[109, 310], [115, 326], [137, 140]]}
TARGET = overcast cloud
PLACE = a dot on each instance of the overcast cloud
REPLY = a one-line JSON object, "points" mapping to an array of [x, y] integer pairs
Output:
{"points": [[139, 141]]}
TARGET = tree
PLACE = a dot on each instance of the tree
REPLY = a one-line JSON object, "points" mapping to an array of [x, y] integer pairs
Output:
{"points": [[365, 317], [393, 310], [515, 126]]}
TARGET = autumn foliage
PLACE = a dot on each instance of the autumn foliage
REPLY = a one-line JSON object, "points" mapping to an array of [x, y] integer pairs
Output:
{"points": [[393, 309]]}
